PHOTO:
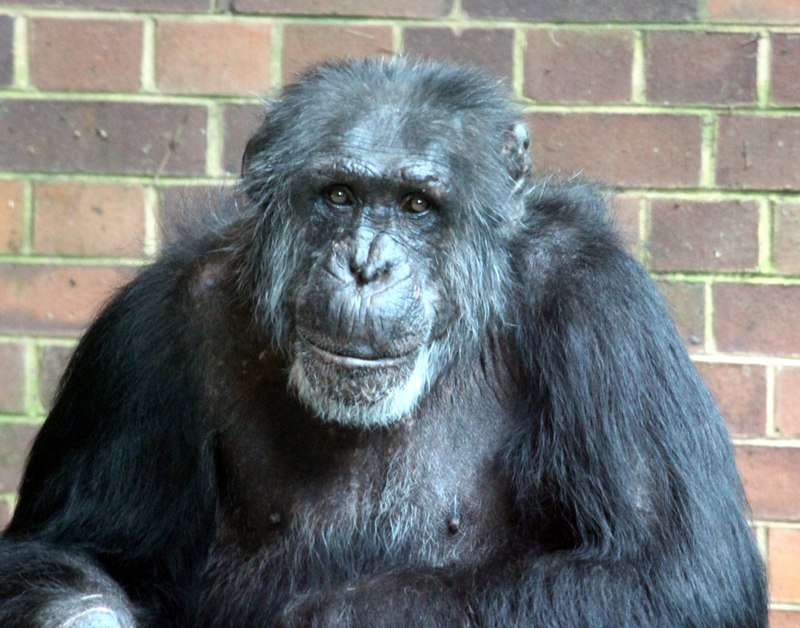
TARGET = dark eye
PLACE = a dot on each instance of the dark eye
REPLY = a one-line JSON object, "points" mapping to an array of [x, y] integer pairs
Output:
{"points": [[338, 195], [418, 203]]}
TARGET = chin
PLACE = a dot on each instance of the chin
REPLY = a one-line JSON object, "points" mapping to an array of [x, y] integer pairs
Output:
{"points": [[359, 392]]}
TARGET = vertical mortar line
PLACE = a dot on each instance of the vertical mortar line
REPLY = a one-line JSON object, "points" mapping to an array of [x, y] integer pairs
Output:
{"points": [[766, 230], [708, 329], [771, 427], [520, 44], [22, 77], [638, 75], [644, 231], [397, 38], [708, 150], [763, 68], [148, 70], [702, 11], [213, 140], [458, 10], [151, 221], [27, 218], [276, 63], [32, 405], [762, 539]]}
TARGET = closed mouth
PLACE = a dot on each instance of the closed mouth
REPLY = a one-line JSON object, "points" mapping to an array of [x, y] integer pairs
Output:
{"points": [[352, 361]]}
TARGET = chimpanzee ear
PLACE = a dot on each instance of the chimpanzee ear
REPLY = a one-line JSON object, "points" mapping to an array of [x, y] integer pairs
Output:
{"points": [[257, 142], [515, 148]]}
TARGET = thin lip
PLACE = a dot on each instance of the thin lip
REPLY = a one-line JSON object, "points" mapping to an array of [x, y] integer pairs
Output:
{"points": [[353, 362]]}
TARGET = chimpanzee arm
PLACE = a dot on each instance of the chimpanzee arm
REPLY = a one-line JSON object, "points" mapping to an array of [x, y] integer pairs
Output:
{"points": [[120, 475]]}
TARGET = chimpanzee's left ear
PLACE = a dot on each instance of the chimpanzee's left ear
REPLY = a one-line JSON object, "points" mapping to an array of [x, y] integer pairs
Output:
{"points": [[515, 148]]}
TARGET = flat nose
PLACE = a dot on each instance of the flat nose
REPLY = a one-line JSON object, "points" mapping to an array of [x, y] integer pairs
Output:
{"points": [[372, 258]]}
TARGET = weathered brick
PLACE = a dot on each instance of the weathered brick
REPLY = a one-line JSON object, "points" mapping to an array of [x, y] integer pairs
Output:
{"points": [[625, 210], [239, 123], [741, 393], [687, 306], [12, 377], [759, 152], [308, 44], [757, 318], [586, 10], [787, 401], [489, 48], [698, 235], [89, 219], [105, 137], [52, 362], [173, 6], [784, 619], [15, 441], [786, 68], [11, 225], [624, 149], [6, 50], [578, 65], [371, 8], [770, 477], [86, 54], [769, 11], [786, 246], [700, 67], [44, 298], [782, 561], [213, 57]]}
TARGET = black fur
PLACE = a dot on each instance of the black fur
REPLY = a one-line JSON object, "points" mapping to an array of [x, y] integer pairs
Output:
{"points": [[562, 465]]}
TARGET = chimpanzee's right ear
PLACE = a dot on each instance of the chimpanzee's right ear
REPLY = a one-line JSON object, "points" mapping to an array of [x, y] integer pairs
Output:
{"points": [[257, 142]]}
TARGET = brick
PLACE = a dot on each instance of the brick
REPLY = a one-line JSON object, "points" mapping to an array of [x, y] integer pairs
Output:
{"points": [[172, 6], [759, 152], [53, 360], [642, 149], [625, 210], [12, 377], [6, 50], [15, 441], [370, 8], [54, 299], [239, 123], [687, 307], [762, 319], [785, 68], [305, 45], [769, 11], [787, 401], [103, 137], [782, 561], [586, 10], [770, 477], [700, 67], [786, 245], [181, 204], [11, 216], [784, 619], [741, 393], [89, 219], [86, 54], [698, 235], [213, 57], [578, 66], [489, 48], [5, 513]]}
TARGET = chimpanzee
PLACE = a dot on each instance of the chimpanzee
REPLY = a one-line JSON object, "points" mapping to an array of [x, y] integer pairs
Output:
{"points": [[395, 381]]}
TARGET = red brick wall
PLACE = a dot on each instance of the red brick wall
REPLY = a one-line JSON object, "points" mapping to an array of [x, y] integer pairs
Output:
{"points": [[109, 108]]}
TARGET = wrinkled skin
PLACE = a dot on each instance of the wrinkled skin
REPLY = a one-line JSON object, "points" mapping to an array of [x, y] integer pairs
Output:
{"points": [[396, 381]]}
